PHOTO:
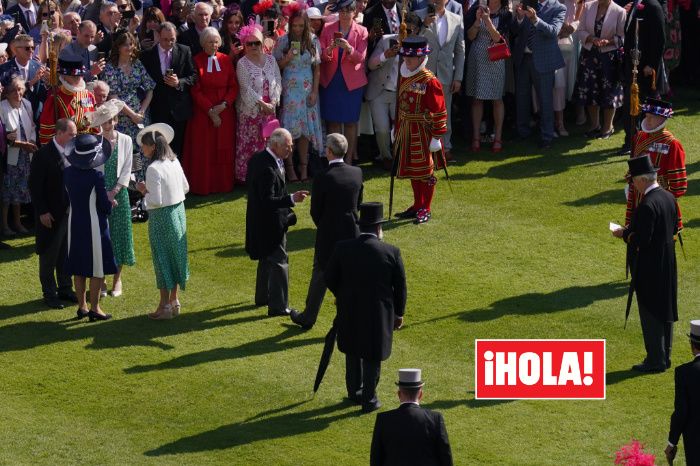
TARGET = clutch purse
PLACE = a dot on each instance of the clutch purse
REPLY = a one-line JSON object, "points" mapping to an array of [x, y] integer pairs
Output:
{"points": [[499, 50]]}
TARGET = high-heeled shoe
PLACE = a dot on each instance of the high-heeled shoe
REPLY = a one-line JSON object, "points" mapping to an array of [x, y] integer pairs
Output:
{"points": [[497, 146], [162, 313], [476, 145], [116, 290], [175, 307], [93, 316]]}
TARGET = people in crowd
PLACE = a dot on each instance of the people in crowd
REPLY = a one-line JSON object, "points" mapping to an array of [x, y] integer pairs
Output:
{"points": [[231, 24], [316, 20], [208, 157], [268, 216], [69, 6], [3, 53], [217, 13], [565, 78], [49, 12], [150, 26], [18, 120], [129, 81], [50, 202], [485, 78], [298, 55], [599, 83], [31, 71], [90, 253], [100, 91], [26, 12], [110, 17], [179, 11], [164, 191], [536, 56], [260, 91], [343, 51], [71, 100], [82, 46], [71, 21], [445, 34], [269, 13], [368, 280], [170, 65], [381, 19], [190, 37], [117, 172], [335, 197], [410, 434]]}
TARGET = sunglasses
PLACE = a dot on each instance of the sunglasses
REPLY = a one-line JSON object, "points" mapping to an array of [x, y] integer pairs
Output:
{"points": [[257, 43], [28, 48], [50, 13], [122, 7]]}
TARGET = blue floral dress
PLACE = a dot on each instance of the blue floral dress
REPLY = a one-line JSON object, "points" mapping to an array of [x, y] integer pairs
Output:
{"points": [[131, 88], [297, 84]]}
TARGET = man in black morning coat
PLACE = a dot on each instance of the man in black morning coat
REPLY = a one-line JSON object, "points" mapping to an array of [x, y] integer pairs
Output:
{"points": [[268, 215], [368, 280], [171, 102], [651, 238], [335, 195], [685, 419], [50, 201], [410, 435]]}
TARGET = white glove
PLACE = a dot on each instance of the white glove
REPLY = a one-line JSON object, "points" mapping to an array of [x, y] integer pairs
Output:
{"points": [[627, 191], [435, 145], [393, 135]]}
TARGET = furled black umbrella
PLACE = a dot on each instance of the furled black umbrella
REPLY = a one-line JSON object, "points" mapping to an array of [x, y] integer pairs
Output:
{"points": [[328, 345]]}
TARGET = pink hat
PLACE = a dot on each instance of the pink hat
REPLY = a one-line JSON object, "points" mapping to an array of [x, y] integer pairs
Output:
{"points": [[269, 127]]}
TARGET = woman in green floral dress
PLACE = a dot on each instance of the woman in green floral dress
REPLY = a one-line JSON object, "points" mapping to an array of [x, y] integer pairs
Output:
{"points": [[117, 173]]}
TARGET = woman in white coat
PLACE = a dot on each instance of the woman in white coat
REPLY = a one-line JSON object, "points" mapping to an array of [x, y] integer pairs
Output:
{"points": [[117, 172], [16, 114]]}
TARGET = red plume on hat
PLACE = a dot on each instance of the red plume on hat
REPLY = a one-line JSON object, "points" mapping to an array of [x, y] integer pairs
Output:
{"points": [[262, 7], [294, 7], [633, 454]]}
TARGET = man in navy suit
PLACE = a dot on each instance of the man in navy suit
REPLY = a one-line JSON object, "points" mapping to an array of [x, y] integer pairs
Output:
{"points": [[26, 13], [26, 68], [536, 57]]}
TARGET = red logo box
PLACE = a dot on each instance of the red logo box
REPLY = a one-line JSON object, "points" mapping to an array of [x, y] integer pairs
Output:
{"points": [[539, 369]]}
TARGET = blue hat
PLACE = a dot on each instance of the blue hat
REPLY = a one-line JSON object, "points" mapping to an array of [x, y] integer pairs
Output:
{"points": [[340, 4], [70, 64], [88, 151], [414, 47], [657, 107]]}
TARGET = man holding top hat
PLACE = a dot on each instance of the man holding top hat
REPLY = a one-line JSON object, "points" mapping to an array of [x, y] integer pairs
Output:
{"points": [[368, 280], [409, 434], [653, 263], [685, 419], [666, 153], [420, 121], [70, 100]]}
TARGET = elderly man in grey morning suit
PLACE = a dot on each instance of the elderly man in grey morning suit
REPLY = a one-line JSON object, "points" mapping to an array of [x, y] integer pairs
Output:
{"points": [[444, 32], [536, 57]]}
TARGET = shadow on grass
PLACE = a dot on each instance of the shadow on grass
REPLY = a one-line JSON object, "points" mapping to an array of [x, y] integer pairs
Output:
{"points": [[611, 196], [694, 223], [470, 403], [196, 202], [268, 345], [118, 333], [10, 311], [16, 253], [256, 430], [612, 378], [297, 240]]}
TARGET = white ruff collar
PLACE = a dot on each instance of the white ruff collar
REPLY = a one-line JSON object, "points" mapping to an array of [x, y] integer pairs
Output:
{"points": [[407, 74], [653, 130], [71, 88]]}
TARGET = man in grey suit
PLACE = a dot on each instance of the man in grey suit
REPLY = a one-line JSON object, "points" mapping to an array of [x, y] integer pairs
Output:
{"points": [[381, 87], [452, 6], [536, 57], [444, 32]]}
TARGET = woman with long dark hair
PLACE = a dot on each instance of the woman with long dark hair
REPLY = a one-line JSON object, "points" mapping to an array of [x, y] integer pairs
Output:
{"points": [[231, 24]]}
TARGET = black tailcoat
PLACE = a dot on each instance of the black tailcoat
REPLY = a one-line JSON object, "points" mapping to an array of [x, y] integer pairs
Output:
{"points": [[650, 235], [335, 195], [269, 206], [47, 191], [368, 280], [685, 419], [410, 435]]}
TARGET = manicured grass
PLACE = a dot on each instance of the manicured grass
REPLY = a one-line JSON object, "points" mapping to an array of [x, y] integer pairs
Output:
{"points": [[519, 249]]}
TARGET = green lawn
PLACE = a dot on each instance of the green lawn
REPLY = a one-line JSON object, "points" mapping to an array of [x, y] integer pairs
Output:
{"points": [[520, 249]]}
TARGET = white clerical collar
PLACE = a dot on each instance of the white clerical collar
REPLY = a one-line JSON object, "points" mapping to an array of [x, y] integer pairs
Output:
{"points": [[213, 63], [653, 186], [335, 161], [653, 130], [407, 74]]}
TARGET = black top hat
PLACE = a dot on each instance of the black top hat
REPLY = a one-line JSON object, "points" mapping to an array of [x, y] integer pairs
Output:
{"points": [[641, 166], [70, 64], [371, 213], [89, 151], [337, 5], [414, 47], [657, 107]]}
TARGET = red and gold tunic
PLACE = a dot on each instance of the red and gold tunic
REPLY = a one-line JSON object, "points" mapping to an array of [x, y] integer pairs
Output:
{"points": [[667, 154], [73, 105], [421, 117]]}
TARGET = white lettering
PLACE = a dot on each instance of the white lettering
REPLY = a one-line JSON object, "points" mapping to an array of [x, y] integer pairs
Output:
{"points": [[529, 368], [569, 371]]}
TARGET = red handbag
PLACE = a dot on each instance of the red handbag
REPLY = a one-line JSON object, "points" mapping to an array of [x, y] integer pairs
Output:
{"points": [[499, 50]]}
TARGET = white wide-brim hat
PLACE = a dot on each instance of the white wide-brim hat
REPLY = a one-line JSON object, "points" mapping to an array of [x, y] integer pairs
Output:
{"points": [[162, 128], [105, 113]]}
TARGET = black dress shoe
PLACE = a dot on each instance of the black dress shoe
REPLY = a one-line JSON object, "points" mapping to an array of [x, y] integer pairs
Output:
{"points": [[644, 367], [283, 312], [54, 303], [5, 245], [68, 296], [297, 318], [96, 316], [593, 133], [544, 144], [624, 150], [408, 213], [82, 313], [369, 407]]}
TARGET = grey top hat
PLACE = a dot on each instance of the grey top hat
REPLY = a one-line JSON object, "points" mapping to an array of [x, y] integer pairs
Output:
{"points": [[410, 378], [694, 334]]}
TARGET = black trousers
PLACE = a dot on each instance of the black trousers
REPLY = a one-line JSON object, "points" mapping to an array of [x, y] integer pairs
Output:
{"points": [[52, 262], [272, 281], [315, 295], [362, 375], [658, 338]]}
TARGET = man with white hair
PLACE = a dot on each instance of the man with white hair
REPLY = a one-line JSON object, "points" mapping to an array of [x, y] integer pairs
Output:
{"points": [[100, 90], [336, 194], [202, 17], [268, 216]]}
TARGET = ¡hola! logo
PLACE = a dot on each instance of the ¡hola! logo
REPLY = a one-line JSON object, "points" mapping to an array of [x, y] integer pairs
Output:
{"points": [[539, 369]]}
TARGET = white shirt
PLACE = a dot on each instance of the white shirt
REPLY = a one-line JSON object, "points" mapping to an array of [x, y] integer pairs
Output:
{"points": [[655, 185], [62, 151], [23, 70], [331, 162], [441, 25], [280, 164], [32, 9]]}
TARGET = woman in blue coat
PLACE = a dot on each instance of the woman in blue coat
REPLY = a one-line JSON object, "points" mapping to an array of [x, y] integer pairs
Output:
{"points": [[90, 251]]}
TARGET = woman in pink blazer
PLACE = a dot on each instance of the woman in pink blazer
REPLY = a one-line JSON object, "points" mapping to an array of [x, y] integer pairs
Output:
{"points": [[343, 50], [599, 82]]}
